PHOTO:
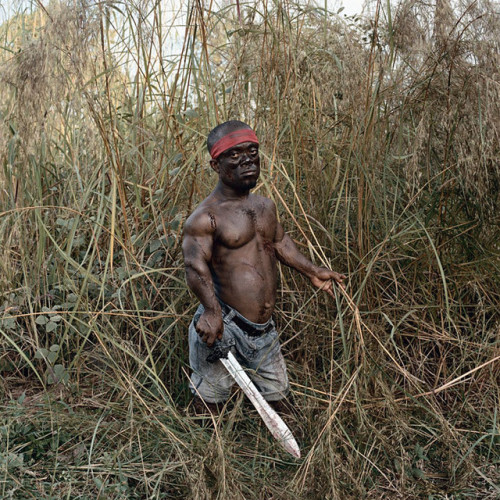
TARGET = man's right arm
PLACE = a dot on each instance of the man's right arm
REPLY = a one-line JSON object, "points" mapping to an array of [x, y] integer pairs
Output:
{"points": [[197, 247]]}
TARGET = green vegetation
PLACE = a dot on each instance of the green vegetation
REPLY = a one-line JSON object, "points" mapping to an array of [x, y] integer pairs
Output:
{"points": [[381, 149]]}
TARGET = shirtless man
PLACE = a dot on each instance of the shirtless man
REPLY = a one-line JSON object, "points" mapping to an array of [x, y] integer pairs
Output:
{"points": [[231, 245]]}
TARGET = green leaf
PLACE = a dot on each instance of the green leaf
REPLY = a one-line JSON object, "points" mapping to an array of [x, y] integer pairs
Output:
{"points": [[154, 245], [51, 326], [59, 370], [65, 222], [51, 357], [11, 460], [418, 473], [41, 353], [41, 320], [57, 374], [8, 323]]}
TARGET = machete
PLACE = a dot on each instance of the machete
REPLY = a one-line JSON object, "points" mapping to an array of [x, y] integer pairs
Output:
{"points": [[273, 421]]}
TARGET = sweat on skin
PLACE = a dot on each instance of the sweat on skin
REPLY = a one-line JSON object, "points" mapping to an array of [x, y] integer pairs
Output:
{"points": [[233, 240]]}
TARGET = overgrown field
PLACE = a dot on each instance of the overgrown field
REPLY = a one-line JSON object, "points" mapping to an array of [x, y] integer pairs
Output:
{"points": [[380, 144]]}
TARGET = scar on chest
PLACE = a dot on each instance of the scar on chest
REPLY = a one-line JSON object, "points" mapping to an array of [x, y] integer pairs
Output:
{"points": [[213, 222]]}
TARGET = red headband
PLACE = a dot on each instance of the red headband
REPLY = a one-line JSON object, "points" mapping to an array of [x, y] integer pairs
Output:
{"points": [[232, 139]]}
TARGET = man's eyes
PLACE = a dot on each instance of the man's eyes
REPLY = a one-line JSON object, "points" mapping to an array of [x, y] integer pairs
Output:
{"points": [[236, 154]]}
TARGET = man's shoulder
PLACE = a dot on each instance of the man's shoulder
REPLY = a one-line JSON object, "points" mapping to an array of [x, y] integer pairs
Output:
{"points": [[264, 202], [201, 220]]}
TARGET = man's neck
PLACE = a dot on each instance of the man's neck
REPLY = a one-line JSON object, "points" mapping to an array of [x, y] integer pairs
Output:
{"points": [[226, 193]]}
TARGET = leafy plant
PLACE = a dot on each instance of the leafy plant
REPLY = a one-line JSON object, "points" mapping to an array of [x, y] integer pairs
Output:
{"points": [[56, 373]]}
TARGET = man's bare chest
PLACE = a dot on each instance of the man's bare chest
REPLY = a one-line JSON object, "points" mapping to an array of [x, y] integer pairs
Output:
{"points": [[239, 226]]}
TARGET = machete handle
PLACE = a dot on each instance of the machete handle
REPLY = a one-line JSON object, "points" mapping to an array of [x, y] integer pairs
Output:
{"points": [[219, 350]]}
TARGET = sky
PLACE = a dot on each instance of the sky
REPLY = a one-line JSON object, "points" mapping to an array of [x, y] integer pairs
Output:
{"points": [[7, 7], [174, 13], [350, 6]]}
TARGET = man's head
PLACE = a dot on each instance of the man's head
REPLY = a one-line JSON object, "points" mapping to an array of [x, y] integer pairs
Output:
{"points": [[229, 134], [234, 149]]}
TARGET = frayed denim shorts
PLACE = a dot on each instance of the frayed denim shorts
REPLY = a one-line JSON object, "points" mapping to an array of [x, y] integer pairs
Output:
{"points": [[260, 355]]}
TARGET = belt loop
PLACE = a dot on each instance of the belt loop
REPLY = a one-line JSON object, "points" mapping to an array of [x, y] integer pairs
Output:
{"points": [[229, 315]]}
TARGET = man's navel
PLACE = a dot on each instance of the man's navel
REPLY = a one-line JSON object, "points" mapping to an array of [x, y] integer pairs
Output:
{"points": [[268, 247]]}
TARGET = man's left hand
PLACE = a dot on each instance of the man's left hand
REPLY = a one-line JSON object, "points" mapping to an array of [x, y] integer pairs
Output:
{"points": [[322, 278]]}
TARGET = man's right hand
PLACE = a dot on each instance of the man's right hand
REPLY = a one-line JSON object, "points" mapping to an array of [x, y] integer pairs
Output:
{"points": [[210, 327]]}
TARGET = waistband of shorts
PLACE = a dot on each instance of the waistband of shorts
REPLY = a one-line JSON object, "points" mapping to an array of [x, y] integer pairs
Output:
{"points": [[249, 327]]}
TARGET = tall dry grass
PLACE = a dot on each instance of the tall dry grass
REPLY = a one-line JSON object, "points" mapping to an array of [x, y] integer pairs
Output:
{"points": [[380, 145]]}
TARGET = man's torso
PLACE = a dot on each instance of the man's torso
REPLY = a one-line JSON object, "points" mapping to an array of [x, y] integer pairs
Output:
{"points": [[243, 262]]}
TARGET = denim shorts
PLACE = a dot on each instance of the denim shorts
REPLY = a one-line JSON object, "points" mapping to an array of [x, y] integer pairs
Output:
{"points": [[260, 355]]}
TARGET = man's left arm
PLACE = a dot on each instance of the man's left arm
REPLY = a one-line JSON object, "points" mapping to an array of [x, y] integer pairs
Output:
{"points": [[287, 253]]}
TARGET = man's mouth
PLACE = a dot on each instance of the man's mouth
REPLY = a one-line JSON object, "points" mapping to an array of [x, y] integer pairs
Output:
{"points": [[249, 173]]}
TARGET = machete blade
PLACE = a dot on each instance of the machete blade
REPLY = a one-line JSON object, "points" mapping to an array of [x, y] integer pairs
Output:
{"points": [[273, 421]]}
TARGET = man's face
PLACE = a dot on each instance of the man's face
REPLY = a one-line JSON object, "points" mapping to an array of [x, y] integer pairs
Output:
{"points": [[239, 166]]}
